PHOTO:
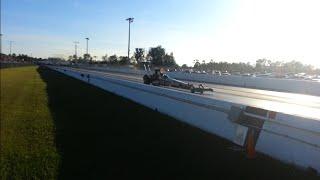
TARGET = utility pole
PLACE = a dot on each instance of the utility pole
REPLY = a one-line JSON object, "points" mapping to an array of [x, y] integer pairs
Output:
{"points": [[87, 45], [75, 48], [10, 47], [0, 34], [130, 20], [0, 44]]}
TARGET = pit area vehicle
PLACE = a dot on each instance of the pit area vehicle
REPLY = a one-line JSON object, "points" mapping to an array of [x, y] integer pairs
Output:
{"points": [[160, 79]]}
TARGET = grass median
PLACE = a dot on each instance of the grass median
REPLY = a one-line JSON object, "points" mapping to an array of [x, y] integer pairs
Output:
{"points": [[53, 126], [28, 148]]}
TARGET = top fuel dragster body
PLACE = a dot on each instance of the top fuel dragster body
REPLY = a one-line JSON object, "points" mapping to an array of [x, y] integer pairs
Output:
{"points": [[160, 79]]}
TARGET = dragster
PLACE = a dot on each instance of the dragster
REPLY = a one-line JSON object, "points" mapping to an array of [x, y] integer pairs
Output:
{"points": [[160, 79]]}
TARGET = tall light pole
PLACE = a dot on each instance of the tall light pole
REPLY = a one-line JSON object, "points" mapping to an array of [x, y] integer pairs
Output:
{"points": [[75, 48], [87, 45], [130, 20]]}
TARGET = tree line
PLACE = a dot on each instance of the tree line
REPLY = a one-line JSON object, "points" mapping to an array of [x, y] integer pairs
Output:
{"points": [[262, 66], [19, 58], [156, 56]]}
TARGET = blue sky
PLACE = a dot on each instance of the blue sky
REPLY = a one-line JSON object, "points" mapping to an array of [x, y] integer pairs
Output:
{"points": [[230, 30]]}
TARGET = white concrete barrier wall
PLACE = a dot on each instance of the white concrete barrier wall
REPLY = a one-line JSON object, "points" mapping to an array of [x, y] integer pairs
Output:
{"points": [[288, 138], [292, 139], [115, 69], [285, 85]]}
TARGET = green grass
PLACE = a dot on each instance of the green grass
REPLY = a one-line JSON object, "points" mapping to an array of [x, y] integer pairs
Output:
{"points": [[54, 126], [28, 150]]}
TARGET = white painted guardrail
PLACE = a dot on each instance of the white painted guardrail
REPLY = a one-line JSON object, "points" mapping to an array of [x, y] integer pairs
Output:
{"points": [[284, 85], [292, 139]]}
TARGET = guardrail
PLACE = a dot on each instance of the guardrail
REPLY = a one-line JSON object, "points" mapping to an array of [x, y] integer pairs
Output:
{"points": [[275, 134]]}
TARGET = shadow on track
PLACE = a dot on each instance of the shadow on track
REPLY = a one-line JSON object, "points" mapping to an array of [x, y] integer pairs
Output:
{"points": [[100, 135]]}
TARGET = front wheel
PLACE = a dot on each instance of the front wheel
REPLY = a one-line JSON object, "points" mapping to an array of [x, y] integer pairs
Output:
{"points": [[192, 90], [146, 79]]}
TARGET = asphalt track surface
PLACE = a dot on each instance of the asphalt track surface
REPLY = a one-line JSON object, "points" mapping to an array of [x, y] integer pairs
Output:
{"points": [[289, 103]]}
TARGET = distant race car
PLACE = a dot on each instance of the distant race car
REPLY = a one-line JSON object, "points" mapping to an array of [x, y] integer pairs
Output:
{"points": [[160, 79]]}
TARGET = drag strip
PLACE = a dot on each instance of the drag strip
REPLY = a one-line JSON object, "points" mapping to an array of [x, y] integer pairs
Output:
{"points": [[289, 103]]}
